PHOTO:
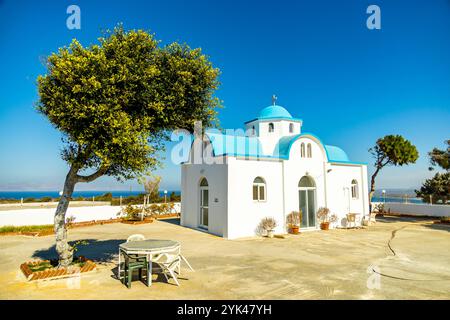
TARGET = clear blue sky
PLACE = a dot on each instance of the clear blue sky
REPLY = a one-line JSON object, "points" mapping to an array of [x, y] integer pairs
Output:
{"points": [[349, 84]]}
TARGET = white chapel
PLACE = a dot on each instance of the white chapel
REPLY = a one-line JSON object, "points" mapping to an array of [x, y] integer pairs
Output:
{"points": [[270, 170]]}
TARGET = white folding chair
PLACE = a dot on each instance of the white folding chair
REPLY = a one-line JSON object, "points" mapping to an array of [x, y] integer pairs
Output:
{"points": [[169, 261], [136, 237]]}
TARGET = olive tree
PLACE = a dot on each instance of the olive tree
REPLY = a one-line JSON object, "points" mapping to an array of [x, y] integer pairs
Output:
{"points": [[391, 150], [115, 103]]}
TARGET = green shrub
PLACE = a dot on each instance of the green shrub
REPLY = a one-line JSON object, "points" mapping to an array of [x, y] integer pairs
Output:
{"points": [[174, 198], [132, 213], [7, 229], [104, 197]]}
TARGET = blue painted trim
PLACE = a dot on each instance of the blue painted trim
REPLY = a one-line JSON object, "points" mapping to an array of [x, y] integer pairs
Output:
{"points": [[253, 156], [283, 155], [348, 162], [275, 118], [301, 135]]}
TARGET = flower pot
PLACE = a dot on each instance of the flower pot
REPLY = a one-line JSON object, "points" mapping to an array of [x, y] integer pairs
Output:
{"points": [[270, 233], [325, 226], [294, 229]]}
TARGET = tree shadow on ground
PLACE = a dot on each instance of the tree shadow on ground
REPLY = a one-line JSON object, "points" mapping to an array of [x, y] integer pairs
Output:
{"points": [[438, 226], [175, 221], [96, 250]]}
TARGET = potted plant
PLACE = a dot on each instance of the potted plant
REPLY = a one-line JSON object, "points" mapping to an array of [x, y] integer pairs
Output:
{"points": [[268, 224], [293, 220], [323, 215]]}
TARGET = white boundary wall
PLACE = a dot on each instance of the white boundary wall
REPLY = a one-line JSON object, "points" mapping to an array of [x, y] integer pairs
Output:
{"points": [[435, 210], [34, 217]]}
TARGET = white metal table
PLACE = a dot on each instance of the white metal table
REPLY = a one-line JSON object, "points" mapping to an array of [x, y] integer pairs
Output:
{"points": [[149, 248]]}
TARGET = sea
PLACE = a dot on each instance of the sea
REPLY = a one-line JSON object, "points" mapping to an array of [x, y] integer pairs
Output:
{"points": [[86, 194], [397, 200], [126, 193]]}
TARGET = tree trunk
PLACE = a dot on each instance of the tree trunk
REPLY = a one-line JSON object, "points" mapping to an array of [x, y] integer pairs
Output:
{"points": [[64, 250], [372, 187]]}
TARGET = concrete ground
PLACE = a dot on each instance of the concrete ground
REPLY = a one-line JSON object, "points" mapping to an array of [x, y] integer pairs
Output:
{"points": [[398, 258]]}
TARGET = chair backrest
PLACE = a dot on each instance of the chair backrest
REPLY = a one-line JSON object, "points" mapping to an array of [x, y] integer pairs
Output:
{"points": [[168, 256], [136, 237]]}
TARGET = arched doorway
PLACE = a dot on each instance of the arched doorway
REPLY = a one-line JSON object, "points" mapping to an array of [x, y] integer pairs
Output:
{"points": [[204, 203], [307, 201]]}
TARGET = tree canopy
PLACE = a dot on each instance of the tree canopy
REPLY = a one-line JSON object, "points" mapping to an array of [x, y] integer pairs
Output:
{"points": [[115, 101], [394, 150], [440, 157], [436, 189], [391, 150]]}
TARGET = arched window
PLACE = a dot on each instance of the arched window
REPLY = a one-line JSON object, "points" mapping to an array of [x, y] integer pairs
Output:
{"points": [[291, 127], [306, 182], [309, 150], [259, 189], [302, 150], [354, 189], [253, 130], [271, 127], [204, 183]]}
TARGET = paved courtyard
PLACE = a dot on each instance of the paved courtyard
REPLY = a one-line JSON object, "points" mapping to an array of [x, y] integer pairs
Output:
{"points": [[395, 259]]}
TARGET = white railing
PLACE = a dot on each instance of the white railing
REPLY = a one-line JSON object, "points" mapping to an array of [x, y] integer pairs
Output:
{"points": [[417, 209], [35, 217]]}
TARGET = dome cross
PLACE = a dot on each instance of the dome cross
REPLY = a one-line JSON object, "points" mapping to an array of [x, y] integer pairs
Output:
{"points": [[274, 99]]}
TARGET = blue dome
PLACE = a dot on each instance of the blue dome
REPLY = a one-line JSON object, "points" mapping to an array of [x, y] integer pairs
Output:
{"points": [[336, 154], [271, 112]]}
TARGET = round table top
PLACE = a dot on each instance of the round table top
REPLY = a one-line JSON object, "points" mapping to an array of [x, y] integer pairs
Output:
{"points": [[148, 245]]}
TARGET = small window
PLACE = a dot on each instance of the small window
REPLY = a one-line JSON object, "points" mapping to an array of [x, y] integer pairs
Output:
{"points": [[309, 150], [271, 127], [259, 189], [205, 148], [253, 130], [291, 128], [354, 189], [302, 150]]}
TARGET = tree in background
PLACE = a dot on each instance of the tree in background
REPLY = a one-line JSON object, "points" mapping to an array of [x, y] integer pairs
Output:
{"points": [[437, 189], [173, 197], [115, 103], [391, 150], [151, 186], [440, 158]]}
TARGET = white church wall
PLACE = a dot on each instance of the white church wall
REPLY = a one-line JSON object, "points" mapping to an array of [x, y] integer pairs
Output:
{"points": [[216, 174], [270, 139], [297, 167], [244, 214], [339, 197]]}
